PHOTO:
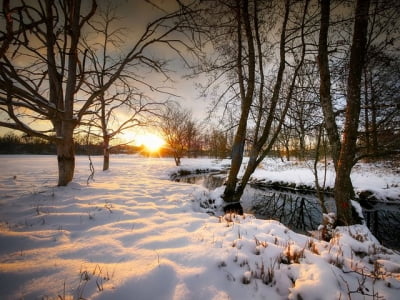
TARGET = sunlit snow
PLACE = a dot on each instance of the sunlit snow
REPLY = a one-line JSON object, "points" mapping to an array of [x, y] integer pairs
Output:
{"points": [[134, 234]]}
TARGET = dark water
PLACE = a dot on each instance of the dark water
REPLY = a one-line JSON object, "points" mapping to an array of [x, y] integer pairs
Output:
{"points": [[210, 180], [302, 212]]}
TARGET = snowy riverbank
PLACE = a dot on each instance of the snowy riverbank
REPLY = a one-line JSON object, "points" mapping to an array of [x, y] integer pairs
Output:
{"points": [[134, 234]]}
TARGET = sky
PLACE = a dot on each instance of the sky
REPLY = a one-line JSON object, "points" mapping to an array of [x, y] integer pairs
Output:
{"points": [[135, 14]]}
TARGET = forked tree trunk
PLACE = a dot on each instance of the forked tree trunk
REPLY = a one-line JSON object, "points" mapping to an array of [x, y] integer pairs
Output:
{"points": [[237, 159], [257, 152], [250, 168], [66, 159]]}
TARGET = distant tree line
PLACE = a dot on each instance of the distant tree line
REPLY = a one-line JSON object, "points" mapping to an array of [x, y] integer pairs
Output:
{"points": [[11, 143], [214, 144]]}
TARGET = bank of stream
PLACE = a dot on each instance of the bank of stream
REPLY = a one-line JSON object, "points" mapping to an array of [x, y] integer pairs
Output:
{"points": [[300, 209]]}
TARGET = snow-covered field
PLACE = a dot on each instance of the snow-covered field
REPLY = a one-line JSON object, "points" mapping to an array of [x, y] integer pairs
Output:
{"points": [[134, 234]]}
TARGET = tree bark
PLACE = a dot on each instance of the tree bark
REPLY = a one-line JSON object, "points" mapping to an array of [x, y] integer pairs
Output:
{"points": [[67, 123], [106, 152], [343, 188], [374, 126], [106, 159], [366, 113], [325, 83], [66, 157]]}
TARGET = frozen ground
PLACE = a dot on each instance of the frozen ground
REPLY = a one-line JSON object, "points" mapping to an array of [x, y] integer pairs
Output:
{"points": [[133, 234]]}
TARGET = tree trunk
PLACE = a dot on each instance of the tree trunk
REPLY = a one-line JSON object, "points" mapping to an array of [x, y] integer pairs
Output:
{"points": [[106, 153], [366, 113], [106, 159], [343, 188], [65, 148], [237, 158], [325, 83], [66, 159], [251, 166], [287, 151], [343, 192], [177, 160], [302, 143], [374, 127], [246, 95], [320, 192]]}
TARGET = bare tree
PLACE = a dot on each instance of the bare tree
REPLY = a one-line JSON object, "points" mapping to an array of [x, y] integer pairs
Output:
{"points": [[218, 143], [231, 22], [124, 105], [267, 132], [192, 133], [380, 107], [305, 115], [380, 112], [42, 75], [245, 64], [246, 92], [343, 187], [343, 152], [178, 129]]}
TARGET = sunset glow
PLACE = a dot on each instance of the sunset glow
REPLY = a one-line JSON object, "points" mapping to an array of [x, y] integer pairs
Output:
{"points": [[151, 142]]}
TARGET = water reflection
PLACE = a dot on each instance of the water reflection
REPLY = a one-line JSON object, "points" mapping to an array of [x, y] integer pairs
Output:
{"points": [[302, 212], [297, 211], [384, 223]]}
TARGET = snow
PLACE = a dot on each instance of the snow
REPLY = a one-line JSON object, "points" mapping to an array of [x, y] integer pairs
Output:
{"points": [[134, 234], [382, 181]]}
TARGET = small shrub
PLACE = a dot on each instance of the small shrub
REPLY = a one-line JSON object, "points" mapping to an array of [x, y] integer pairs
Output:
{"points": [[290, 257], [326, 229], [246, 279], [312, 246], [221, 264]]}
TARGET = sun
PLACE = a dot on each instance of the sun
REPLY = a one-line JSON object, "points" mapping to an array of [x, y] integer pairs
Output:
{"points": [[150, 141]]}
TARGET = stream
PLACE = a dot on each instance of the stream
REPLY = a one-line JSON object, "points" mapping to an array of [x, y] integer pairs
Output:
{"points": [[301, 212]]}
